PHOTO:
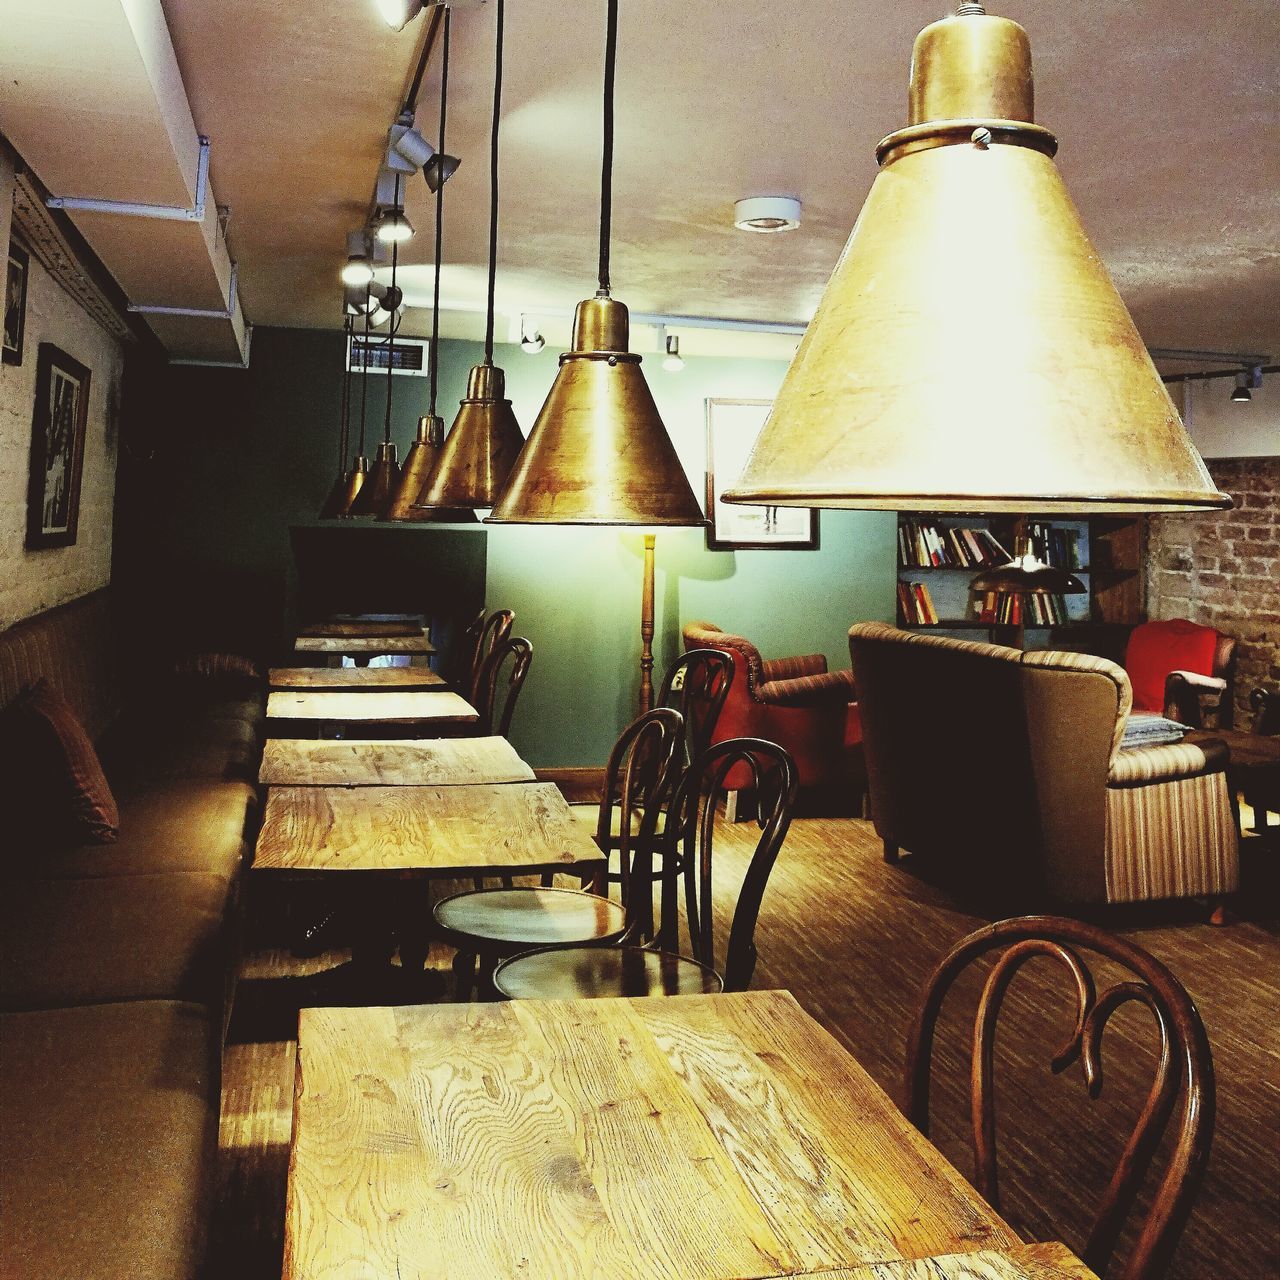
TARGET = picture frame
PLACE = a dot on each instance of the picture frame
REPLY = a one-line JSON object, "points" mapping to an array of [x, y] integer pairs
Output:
{"points": [[732, 428], [57, 448], [17, 272]]}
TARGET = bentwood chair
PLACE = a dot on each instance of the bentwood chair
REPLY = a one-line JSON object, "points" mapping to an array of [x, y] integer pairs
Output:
{"points": [[501, 680], [638, 966], [497, 922], [479, 640], [1183, 1082]]}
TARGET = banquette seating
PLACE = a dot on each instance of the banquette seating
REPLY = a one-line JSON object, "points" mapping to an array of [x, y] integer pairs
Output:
{"points": [[116, 958]]}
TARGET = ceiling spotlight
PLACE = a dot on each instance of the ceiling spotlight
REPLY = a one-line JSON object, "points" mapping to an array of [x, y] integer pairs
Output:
{"points": [[388, 301], [408, 151], [1247, 382], [531, 341], [358, 270], [673, 362], [439, 169], [392, 227], [767, 214], [357, 299], [397, 14]]}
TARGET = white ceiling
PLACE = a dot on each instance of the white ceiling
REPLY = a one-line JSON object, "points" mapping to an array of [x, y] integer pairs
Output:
{"points": [[1168, 116]]}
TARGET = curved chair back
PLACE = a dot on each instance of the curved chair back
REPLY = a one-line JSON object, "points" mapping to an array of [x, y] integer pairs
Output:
{"points": [[692, 823], [484, 636], [507, 665], [1185, 1067], [697, 684]]}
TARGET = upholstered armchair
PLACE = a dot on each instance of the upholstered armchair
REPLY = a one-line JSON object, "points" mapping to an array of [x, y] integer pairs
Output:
{"points": [[1182, 670], [1011, 761], [795, 702]]}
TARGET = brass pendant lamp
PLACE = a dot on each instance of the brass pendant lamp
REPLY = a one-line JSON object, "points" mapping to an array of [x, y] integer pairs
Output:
{"points": [[337, 501], [1027, 574], [599, 452], [359, 470], [970, 352], [425, 450], [486, 439]]}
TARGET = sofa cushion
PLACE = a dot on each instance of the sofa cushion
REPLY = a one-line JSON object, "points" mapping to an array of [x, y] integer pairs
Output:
{"points": [[143, 937], [188, 824], [138, 752], [52, 784], [108, 1131]]}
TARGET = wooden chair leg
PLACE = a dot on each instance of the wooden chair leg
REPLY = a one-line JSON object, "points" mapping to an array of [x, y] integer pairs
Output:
{"points": [[464, 973], [891, 852]]}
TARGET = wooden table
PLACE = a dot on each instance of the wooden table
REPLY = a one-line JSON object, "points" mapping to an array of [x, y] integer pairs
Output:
{"points": [[364, 645], [365, 679], [342, 708], [364, 627], [695, 1137], [412, 762], [1021, 1262], [424, 832]]}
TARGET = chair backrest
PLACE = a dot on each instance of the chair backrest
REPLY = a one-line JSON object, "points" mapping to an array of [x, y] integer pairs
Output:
{"points": [[1155, 649], [485, 635], [501, 679], [1266, 702], [744, 655], [691, 835], [697, 684], [1185, 1069]]}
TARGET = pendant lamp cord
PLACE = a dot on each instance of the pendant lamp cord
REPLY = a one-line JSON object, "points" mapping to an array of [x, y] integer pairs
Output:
{"points": [[606, 167], [493, 185], [391, 327], [364, 367], [344, 430], [435, 293]]}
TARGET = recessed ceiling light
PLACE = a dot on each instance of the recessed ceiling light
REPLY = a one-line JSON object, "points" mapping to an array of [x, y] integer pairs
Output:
{"points": [[767, 214]]}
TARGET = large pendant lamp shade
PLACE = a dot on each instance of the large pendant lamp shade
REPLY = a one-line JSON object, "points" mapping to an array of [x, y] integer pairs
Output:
{"points": [[970, 351], [599, 453], [485, 440]]}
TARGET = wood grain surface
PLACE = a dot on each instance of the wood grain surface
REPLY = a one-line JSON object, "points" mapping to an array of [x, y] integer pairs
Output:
{"points": [[345, 629], [698, 1137], [380, 679], [343, 707], [409, 762], [363, 644], [1023, 1262], [434, 831]]}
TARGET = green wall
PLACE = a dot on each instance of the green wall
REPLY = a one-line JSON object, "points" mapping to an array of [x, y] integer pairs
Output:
{"points": [[575, 591]]}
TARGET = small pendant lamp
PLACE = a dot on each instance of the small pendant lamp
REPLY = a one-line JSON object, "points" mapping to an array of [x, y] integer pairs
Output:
{"points": [[336, 503], [970, 352], [378, 490], [485, 440], [359, 471], [425, 450], [1027, 574]]}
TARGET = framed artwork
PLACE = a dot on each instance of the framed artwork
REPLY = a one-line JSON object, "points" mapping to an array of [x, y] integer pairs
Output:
{"points": [[15, 302], [732, 428], [57, 448]]}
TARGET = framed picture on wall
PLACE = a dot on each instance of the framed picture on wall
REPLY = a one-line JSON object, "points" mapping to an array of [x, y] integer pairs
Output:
{"points": [[15, 302], [57, 448], [732, 428]]}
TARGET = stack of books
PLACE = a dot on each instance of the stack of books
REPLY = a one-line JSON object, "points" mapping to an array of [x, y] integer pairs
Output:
{"points": [[1055, 546], [915, 605], [1019, 610], [925, 544], [1147, 729]]}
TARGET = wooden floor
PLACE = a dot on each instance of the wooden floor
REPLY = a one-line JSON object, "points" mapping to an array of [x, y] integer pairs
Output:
{"points": [[853, 939]]}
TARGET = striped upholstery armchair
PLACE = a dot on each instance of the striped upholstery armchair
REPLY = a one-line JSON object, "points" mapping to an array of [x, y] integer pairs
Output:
{"points": [[1013, 762]]}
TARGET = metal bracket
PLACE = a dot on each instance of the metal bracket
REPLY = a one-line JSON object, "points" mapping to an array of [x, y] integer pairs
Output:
{"points": [[198, 313], [171, 213]]}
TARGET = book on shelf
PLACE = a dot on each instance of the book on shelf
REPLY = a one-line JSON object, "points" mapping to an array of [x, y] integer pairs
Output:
{"points": [[916, 605], [925, 544], [1018, 609], [1055, 545]]}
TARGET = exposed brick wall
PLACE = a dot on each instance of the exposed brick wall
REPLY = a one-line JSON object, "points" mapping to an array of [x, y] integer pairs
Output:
{"points": [[1223, 570]]}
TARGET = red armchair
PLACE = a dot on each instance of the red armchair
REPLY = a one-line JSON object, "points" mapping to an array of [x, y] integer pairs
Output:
{"points": [[1177, 668], [795, 702]]}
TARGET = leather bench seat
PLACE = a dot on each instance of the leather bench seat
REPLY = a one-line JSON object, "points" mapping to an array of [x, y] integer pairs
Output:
{"points": [[188, 824], [142, 750], [108, 1123], [107, 938]]}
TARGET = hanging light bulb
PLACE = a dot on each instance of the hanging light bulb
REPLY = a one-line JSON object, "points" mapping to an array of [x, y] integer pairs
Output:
{"points": [[970, 352], [358, 270], [673, 362], [485, 440], [599, 453], [393, 227]]}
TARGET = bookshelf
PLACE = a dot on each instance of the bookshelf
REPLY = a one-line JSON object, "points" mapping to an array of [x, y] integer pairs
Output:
{"points": [[1104, 552]]}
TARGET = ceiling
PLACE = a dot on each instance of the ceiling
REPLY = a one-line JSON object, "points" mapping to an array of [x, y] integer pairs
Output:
{"points": [[1168, 116]]}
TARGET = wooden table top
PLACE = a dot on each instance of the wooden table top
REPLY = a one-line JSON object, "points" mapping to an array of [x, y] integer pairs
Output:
{"points": [[1021, 1262], [373, 679], [488, 829], [366, 707], [364, 627], [1247, 750], [409, 762], [363, 644], [690, 1138]]}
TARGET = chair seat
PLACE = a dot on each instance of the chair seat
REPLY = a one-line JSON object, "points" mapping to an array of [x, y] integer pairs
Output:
{"points": [[591, 973], [523, 918], [589, 815]]}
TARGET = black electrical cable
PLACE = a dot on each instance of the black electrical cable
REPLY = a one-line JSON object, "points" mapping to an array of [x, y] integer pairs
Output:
{"points": [[606, 166], [435, 294], [344, 430], [493, 187], [364, 365], [391, 325]]}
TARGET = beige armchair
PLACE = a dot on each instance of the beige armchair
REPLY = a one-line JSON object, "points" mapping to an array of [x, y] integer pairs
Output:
{"points": [[1012, 761]]}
